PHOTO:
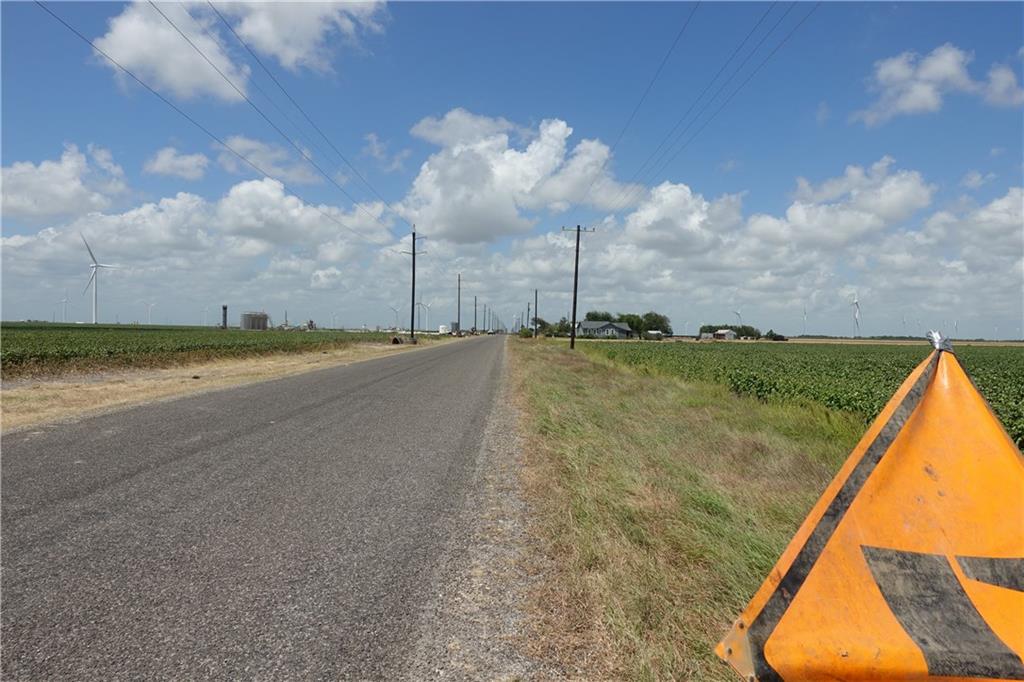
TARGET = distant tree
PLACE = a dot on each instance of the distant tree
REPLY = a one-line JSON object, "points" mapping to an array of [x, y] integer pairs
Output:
{"points": [[599, 316], [656, 322], [542, 325], [562, 328], [741, 330], [635, 322], [525, 333], [772, 336]]}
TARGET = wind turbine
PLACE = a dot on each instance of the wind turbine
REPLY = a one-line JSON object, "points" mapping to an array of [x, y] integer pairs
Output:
{"points": [[904, 324], [396, 316], [64, 302], [149, 312], [94, 279], [956, 328], [856, 312], [805, 321], [738, 316]]}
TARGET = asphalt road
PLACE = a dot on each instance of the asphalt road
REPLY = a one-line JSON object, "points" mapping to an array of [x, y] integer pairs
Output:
{"points": [[287, 529]]}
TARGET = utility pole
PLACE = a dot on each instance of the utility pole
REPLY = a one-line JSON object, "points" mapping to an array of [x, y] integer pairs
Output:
{"points": [[575, 281], [528, 315], [412, 303], [458, 309], [536, 324], [474, 315]]}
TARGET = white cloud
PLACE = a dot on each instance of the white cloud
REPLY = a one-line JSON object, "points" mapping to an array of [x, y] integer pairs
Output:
{"points": [[996, 151], [301, 34], [675, 220], [377, 149], [273, 159], [69, 186], [326, 278], [262, 210], [145, 43], [974, 179], [910, 84], [476, 187], [459, 126], [1002, 88], [851, 207], [168, 161]]}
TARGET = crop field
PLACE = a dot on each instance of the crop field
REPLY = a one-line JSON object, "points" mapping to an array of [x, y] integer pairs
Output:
{"points": [[852, 378], [30, 348]]}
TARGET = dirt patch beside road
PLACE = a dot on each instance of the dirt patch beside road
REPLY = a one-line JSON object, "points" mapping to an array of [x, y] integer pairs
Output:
{"points": [[33, 401]]}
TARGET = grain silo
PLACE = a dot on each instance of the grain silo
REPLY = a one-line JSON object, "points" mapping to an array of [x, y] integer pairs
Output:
{"points": [[255, 321]]}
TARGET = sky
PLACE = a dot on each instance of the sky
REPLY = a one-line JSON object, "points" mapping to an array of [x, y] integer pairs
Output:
{"points": [[780, 160]]}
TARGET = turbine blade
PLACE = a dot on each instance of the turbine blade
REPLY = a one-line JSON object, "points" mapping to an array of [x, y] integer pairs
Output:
{"points": [[91, 254], [89, 283]]}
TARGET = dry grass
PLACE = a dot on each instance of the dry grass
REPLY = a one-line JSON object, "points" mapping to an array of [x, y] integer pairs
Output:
{"points": [[27, 402], [660, 507]]}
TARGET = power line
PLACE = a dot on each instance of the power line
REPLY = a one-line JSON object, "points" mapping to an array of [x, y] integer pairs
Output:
{"points": [[643, 97], [266, 118], [626, 192], [199, 125], [304, 114], [747, 80], [664, 161]]}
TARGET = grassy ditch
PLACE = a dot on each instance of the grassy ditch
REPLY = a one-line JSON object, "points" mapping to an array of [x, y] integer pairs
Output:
{"points": [[661, 506]]}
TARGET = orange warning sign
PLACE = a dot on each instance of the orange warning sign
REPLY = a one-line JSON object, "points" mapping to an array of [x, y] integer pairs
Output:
{"points": [[911, 565]]}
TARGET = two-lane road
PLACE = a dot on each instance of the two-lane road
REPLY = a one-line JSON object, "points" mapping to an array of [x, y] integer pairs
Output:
{"points": [[282, 529]]}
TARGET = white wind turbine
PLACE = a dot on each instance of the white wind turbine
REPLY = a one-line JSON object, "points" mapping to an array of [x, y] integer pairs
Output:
{"points": [[64, 302], [738, 316], [856, 312], [149, 312], [94, 279], [805, 321]]}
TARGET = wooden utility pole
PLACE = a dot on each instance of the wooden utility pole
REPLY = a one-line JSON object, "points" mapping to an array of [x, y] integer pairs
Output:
{"points": [[575, 281], [412, 305], [536, 324]]}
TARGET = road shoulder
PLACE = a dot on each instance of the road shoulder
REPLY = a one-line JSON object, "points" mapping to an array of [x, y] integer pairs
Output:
{"points": [[32, 402], [475, 626]]}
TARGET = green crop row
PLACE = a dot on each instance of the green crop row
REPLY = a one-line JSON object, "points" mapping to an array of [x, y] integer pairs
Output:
{"points": [[858, 378], [28, 347]]}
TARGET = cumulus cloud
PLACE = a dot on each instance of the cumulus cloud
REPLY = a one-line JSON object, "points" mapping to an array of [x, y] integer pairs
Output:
{"points": [[301, 34], [459, 126], [72, 185], [477, 186], [146, 44], [910, 84], [273, 159], [169, 161], [852, 206]]}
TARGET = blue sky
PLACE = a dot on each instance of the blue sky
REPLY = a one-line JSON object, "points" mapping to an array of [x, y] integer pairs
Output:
{"points": [[904, 120]]}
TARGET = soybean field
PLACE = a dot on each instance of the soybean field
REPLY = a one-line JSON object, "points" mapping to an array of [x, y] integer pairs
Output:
{"points": [[857, 378], [33, 348]]}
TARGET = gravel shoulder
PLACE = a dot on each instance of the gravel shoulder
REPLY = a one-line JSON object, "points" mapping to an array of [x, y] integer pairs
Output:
{"points": [[477, 625]]}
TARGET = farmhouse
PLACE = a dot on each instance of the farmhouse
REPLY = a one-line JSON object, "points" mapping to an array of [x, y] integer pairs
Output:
{"points": [[725, 335], [604, 330]]}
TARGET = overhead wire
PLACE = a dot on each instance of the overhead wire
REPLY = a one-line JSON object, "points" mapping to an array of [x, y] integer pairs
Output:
{"points": [[747, 80], [200, 126], [660, 161], [304, 114], [628, 193], [302, 152], [643, 98]]}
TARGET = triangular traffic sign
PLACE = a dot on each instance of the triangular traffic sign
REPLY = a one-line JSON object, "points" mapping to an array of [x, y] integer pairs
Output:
{"points": [[911, 564]]}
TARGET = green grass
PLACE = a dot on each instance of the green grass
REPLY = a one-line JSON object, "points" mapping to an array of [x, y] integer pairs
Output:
{"points": [[664, 503], [32, 348], [855, 378]]}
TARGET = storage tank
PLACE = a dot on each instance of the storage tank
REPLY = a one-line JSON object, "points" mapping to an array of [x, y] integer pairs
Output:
{"points": [[254, 321]]}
